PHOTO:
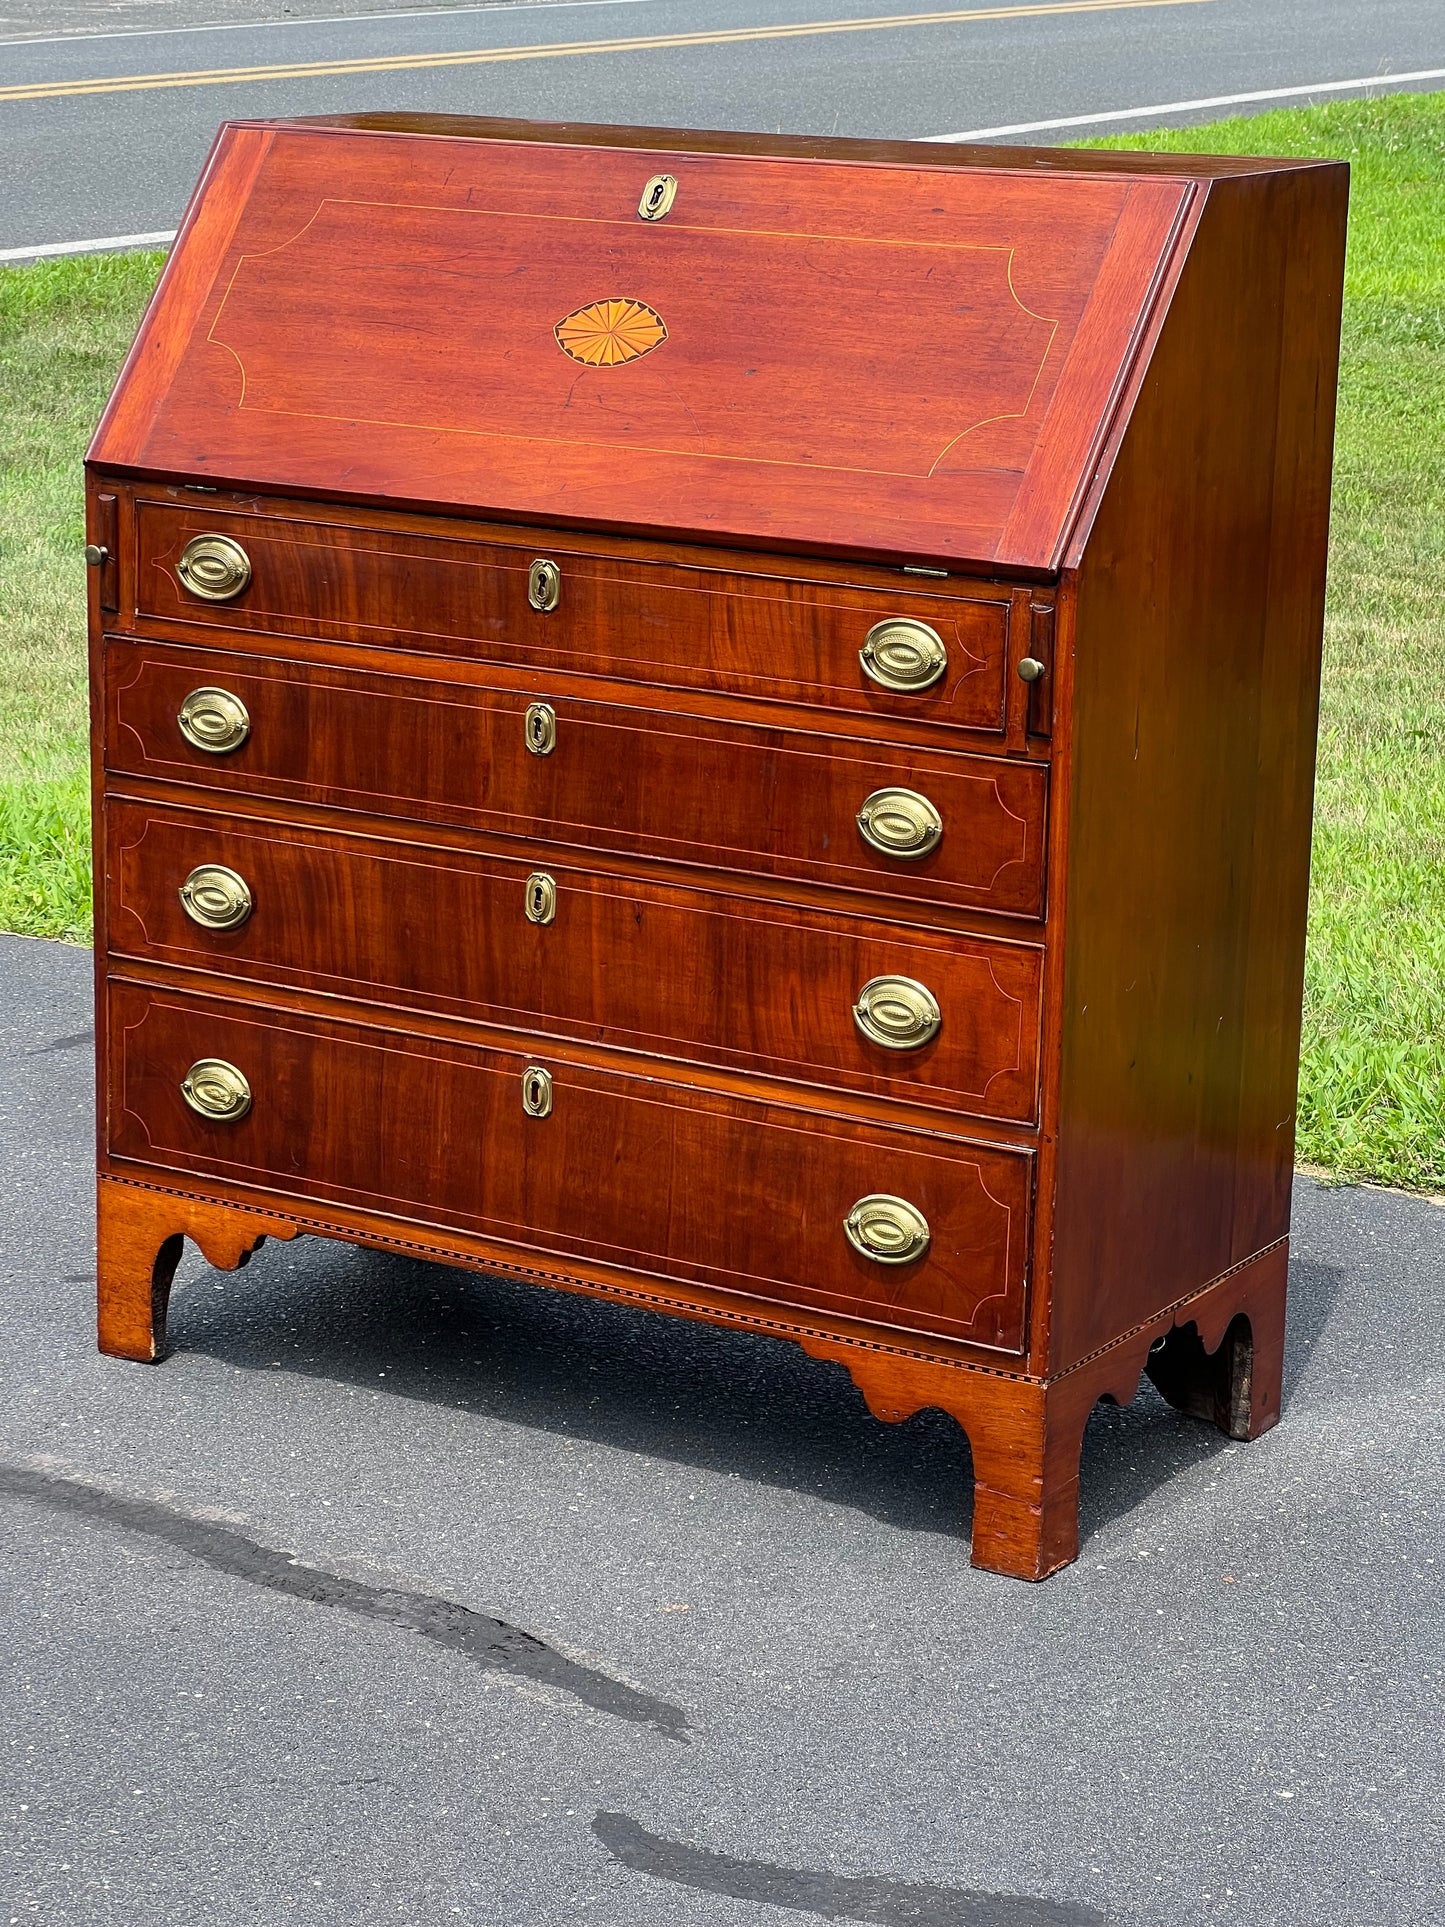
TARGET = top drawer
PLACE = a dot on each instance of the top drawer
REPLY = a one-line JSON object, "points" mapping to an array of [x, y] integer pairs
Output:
{"points": [[940, 656]]}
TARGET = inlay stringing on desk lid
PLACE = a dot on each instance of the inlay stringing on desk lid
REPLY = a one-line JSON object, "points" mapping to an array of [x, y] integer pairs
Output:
{"points": [[728, 722], [878, 359]]}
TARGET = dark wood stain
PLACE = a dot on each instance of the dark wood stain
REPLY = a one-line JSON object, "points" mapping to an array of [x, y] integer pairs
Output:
{"points": [[1125, 478]]}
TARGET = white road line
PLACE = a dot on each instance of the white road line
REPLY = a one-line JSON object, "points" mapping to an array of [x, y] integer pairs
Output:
{"points": [[112, 245], [118, 241], [1190, 106], [310, 20]]}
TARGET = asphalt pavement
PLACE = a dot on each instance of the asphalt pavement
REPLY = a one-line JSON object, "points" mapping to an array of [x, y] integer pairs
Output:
{"points": [[103, 134], [400, 1594]]}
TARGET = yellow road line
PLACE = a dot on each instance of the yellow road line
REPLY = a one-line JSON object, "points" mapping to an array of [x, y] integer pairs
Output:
{"points": [[488, 56]]}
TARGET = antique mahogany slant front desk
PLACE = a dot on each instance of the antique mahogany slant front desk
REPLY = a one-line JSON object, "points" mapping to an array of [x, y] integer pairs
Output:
{"points": [[728, 723]]}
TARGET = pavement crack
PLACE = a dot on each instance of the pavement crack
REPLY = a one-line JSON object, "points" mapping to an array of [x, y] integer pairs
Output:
{"points": [[488, 1643], [72, 1042], [865, 1897]]}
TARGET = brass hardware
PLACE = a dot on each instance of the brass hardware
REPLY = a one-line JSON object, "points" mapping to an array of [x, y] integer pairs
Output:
{"points": [[900, 823], [541, 728], [95, 554], [537, 1091], [657, 197], [214, 567], [888, 1230], [213, 1088], [917, 568], [540, 902], [215, 897], [1030, 669], [897, 1012], [214, 720], [903, 654], [544, 585]]}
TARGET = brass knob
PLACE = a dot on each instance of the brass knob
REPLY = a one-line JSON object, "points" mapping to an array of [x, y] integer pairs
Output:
{"points": [[900, 823], [214, 720], [540, 726], [544, 585], [903, 654], [95, 554], [897, 1012], [1030, 669], [537, 1091], [214, 567], [215, 1089], [888, 1230], [215, 897], [540, 898]]}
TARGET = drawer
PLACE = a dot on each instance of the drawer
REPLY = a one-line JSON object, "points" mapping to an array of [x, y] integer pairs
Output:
{"points": [[709, 793], [673, 1181], [783, 638], [686, 974]]}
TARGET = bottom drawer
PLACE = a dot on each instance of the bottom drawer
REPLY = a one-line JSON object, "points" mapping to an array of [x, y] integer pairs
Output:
{"points": [[655, 1176]]}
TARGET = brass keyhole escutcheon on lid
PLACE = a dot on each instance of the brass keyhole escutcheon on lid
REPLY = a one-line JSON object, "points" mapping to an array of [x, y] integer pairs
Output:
{"points": [[215, 1089], [214, 720], [540, 900], [537, 1091], [214, 567], [889, 1230], [899, 822], [897, 1012], [544, 585], [215, 897], [903, 654], [657, 197], [540, 727]]}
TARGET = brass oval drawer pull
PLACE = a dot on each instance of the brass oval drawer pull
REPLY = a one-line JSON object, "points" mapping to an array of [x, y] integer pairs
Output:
{"points": [[903, 654], [537, 1091], [900, 823], [215, 897], [540, 901], [540, 727], [215, 1089], [888, 1230], [214, 567], [544, 585], [214, 720], [897, 1012]]}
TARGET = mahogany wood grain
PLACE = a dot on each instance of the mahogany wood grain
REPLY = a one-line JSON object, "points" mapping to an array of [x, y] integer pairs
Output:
{"points": [[1189, 769], [139, 1242], [374, 1117], [647, 622], [723, 796], [1026, 1435], [1087, 400], [857, 359], [802, 147], [688, 975]]}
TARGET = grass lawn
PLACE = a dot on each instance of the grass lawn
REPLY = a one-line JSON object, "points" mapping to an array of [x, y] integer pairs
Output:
{"points": [[1372, 1093]]}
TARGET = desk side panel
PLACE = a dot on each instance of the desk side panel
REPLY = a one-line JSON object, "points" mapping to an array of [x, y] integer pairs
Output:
{"points": [[1198, 613]]}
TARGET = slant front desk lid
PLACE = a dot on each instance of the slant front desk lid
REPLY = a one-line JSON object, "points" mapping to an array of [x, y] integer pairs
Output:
{"points": [[907, 357]]}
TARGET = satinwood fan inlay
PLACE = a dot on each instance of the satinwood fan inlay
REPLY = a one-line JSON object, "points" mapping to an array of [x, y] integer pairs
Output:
{"points": [[606, 334]]}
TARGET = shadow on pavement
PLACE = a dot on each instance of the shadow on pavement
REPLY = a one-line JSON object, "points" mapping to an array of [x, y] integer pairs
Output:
{"points": [[637, 1381]]}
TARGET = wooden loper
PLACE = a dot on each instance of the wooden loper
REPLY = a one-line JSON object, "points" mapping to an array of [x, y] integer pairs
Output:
{"points": [[728, 723]]}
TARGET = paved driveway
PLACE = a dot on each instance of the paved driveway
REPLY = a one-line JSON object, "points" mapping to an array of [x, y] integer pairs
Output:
{"points": [[402, 1595]]}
